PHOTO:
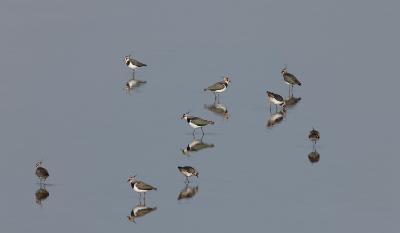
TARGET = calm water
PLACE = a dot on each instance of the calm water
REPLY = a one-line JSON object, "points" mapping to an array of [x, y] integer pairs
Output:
{"points": [[62, 101]]}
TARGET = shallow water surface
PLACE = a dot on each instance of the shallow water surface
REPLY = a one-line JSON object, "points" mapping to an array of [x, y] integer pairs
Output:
{"points": [[63, 101]]}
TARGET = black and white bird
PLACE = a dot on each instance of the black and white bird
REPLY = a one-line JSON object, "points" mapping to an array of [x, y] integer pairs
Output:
{"points": [[41, 172], [188, 171], [219, 86], [140, 186], [289, 79], [196, 122], [133, 63], [133, 83], [275, 99], [140, 211], [314, 135]]}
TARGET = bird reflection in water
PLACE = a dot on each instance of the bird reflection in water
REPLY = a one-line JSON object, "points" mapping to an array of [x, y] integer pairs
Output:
{"points": [[313, 157], [41, 194], [188, 192], [218, 108], [132, 84], [139, 211], [291, 101], [276, 118], [196, 145]]}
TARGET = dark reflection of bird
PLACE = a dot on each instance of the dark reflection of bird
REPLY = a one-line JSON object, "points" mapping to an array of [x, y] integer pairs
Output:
{"points": [[219, 87], [140, 186], [40, 195], [196, 122], [188, 192], [41, 172], [188, 171], [313, 157], [290, 79], [218, 108], [196, 145], [133, 84], [292, 101], [133, 63], [140, 211], [276, 118], [314, 135]]}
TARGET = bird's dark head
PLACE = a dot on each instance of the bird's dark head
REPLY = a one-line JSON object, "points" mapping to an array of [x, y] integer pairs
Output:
{"points": [[127, 58], [227, 80], [38, 163], [132, 179], [185, 115], [284, 70]]}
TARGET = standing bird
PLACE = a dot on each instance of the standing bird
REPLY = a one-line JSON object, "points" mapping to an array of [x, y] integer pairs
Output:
{"points": [[196, 122], [290, 79], [275, 99], [218, 87], [140, 186], [314, 135], [133, 64], [41, 172], [188, 171]]}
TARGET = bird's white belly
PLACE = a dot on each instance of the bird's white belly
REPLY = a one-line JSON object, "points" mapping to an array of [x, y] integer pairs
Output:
{"points": [[186, 173], [288, 83], [132, 66], [193, 125], [139, 190], [274, 101], [222, 90]]}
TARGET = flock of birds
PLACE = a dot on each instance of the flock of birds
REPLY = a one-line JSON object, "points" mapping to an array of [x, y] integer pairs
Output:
{"points": [[195, 122]]}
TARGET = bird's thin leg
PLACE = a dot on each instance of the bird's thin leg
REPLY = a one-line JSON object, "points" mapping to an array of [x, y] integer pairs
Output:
{"points": [[133, 74], [202, 130], [194, 132], [276, 108], [144, 198], [215, 97], [270, 106], [187, 180]]}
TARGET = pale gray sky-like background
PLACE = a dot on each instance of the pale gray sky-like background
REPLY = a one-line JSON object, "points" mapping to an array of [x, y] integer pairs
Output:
{"points": [[62, 101]]}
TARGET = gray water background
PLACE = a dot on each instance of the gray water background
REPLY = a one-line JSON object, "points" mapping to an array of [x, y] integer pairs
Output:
{"points": [[62, 101]]}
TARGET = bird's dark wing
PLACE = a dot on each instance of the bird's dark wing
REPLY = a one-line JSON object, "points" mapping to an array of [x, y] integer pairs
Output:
{"points": [[290, 78], [143, 186], [200, 122], [137, 63], [216, 86]]}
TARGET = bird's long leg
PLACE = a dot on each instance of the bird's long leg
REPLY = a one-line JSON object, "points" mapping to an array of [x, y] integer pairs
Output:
{"points": [[187, 180], [202, 130], [133, 74], [276, 108], [270, 106], [194, 130], [215, 97], [144, 198]]}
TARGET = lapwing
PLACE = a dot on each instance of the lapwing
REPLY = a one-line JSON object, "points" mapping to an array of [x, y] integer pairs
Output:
{"points": [[275, 99], [140, 211], [40, 195], [219, 87], [313, 157], [188, 192], [196, 145], [140, 186], [276, 118], [133, 63], [188, 171], [41, 172], [289, 79], [196, 122], [133, 83], [219, 109], [314, 135]]}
